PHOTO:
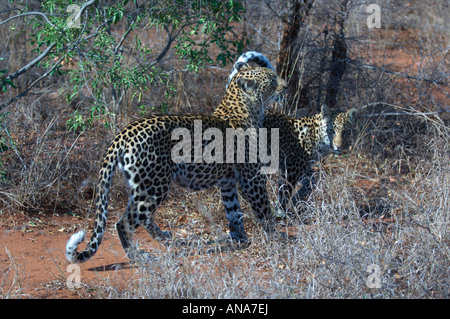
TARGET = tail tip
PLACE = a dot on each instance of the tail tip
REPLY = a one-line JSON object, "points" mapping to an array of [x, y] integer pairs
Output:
{"points": [[72, 244]]}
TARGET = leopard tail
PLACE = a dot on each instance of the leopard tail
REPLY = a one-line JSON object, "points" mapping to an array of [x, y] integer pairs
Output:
{"points": [[101, 211]]}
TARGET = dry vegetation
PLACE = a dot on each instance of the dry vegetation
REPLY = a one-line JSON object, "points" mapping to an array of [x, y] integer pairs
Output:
{"points": [[385, 202]]}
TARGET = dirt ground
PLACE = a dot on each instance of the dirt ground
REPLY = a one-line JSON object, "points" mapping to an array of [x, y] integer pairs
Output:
{"points": [[32, 251], [33, 265]]}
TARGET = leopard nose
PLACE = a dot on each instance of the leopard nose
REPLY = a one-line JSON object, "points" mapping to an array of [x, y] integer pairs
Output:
{"points": [[337, 149]]}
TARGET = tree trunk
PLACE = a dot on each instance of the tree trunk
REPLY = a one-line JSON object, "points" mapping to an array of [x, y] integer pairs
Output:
{"points": [[338, 57], [289, 51]]}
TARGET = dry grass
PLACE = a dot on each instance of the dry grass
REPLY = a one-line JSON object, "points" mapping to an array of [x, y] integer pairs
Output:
{"points": [[329, 257], [10, 278], [357, 219]]}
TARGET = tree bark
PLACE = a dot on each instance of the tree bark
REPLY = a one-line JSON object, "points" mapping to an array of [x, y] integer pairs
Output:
{"points": [[290, 47], [339, 56]]}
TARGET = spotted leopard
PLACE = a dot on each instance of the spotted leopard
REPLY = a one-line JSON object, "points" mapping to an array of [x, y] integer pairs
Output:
{"points": [[301, 140], [144, 152]]}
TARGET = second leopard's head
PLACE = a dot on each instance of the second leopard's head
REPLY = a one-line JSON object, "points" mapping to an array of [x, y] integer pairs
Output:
{"points": [[343, 122]]}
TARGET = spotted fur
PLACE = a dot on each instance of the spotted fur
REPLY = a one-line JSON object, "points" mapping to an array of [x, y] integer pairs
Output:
{"points": [[302, 139], [143, 152]]}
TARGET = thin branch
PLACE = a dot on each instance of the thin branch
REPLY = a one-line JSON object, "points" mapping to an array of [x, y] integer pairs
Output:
{"points": [[410, 77], [119, 45], [23, 93], [165, 50], [87, 4], [9, 10], [96, 31], [261, 34], [282, 17], [404, 113], [437, 121], [27, 14], [30, 65], [40, 57]]}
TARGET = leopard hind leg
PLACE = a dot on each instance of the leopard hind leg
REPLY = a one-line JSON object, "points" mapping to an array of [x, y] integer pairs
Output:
{"points": [[146, 195], [234, 214], [147, 207]]}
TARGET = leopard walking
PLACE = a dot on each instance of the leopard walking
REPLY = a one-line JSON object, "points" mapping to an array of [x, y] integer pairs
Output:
{"points": [[143, 152]]}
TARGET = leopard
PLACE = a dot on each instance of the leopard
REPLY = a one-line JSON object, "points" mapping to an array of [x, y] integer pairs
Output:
{"points": [[146, 153], [301, 140]]}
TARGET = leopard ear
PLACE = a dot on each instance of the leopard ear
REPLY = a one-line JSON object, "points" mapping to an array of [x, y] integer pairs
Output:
{"points": [[238, 66], [247, 85], [325, 110], [241, 66], [352, 114]]}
